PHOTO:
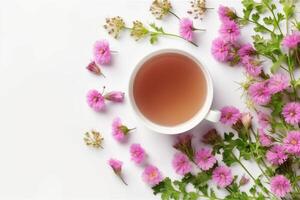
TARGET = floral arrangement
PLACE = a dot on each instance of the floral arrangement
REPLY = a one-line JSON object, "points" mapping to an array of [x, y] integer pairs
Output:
{"points": [[271, 91]]}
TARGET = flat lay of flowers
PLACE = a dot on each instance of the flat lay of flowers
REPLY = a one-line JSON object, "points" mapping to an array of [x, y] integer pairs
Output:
{"points": [[267, 134]]}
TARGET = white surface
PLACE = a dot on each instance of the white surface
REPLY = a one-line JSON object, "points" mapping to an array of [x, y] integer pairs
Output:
{"points": [[44, 48]]}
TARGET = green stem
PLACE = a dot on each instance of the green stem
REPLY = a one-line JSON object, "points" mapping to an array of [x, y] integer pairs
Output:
{"points": [[258, 24], [290, 70], [170, 34], [174, 15], [274, 17]]}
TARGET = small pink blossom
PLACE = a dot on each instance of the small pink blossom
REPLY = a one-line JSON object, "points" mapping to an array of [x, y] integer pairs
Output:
{"points": [[221, 50], [251, 66], [205, 159], [280, 185], [102, 54], [186, 29], [116, 165], [246, 120], [264, 139], [260, 93], [230, 115], [94, 68], [95, 100], [115, 96], [222, 176], [181, 164], [230, 30], [263, 119], [119, 131], [278, 83], [291, 143], [212, 137], [276, 155], [152, 175], [137, 153], [226, 13], [291, 113], [246, 50], [291, 41]]}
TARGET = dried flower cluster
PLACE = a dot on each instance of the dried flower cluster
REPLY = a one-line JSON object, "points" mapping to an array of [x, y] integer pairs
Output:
{"points": [[93, 139]]}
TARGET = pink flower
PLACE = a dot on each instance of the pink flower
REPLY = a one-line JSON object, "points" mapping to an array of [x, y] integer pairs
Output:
{"points": [[95, 100], [276, 155], [93, 67], [230, 115], [246, 50], [221, 50], [137, 153], [211, 137], [260, 93], [291, 41], [222, 176], [119, 131], [280, 185], [152, 175], [101, 52], [226, 13], [186, 29], [251, 65], [181, 164], [291, 113], [264, 139], [205, 159], [263, 119], [278, 83], [292, 142], [115, 96], [229, 30], [116, 165]]}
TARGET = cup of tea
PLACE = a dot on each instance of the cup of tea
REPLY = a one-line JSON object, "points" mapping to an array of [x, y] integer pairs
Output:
{"points": [[171, 92]]}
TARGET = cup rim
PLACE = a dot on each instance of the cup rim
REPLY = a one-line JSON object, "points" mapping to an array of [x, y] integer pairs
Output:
{"points": [[182, 127]]}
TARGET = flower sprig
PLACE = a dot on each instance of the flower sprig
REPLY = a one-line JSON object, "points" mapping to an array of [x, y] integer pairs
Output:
{"points": [[93, 139]]}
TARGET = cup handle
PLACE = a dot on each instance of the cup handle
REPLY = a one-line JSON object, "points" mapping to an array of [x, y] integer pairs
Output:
{"points": [[213, 116]]}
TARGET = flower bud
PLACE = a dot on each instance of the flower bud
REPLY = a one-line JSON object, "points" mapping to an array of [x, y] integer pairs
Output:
{"points": [[115, 96], [244, 180], [93, 67], [246, 120], [211, 137]]}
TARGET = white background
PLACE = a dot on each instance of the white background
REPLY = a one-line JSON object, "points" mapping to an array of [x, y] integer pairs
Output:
{"points": [[45, 46]]}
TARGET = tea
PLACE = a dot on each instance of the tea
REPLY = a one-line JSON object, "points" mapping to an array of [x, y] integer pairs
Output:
{"points": [[169, 89]]}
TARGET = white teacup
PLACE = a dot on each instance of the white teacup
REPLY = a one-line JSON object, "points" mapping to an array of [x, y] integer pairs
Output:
{"points": [[205, 111]]}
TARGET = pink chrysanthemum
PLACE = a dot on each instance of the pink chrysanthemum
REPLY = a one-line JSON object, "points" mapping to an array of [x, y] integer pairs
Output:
{"points": [[291, 142], [251, 65], [230, 115], [222, 176], [119, 131], [280, 185], [205, 159], [264, 139], [186, 29], [263, 119], [276, 155], [226, 13], [291, 41], [246, 50], [221, 50], [95, 100], [152, 175], [115, 96], [260, 93], [278, 83], [230, 30], [137, 153], [291, 113], [181, 164], [102, 54], [116, 165]]}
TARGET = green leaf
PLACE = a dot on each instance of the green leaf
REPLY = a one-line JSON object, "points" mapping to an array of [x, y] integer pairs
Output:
{"points": [[277, 64], [255, 17], [268, 20]]}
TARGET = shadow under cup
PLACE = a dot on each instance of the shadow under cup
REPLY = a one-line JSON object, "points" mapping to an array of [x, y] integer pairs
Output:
{"points": [[170, 91]]}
